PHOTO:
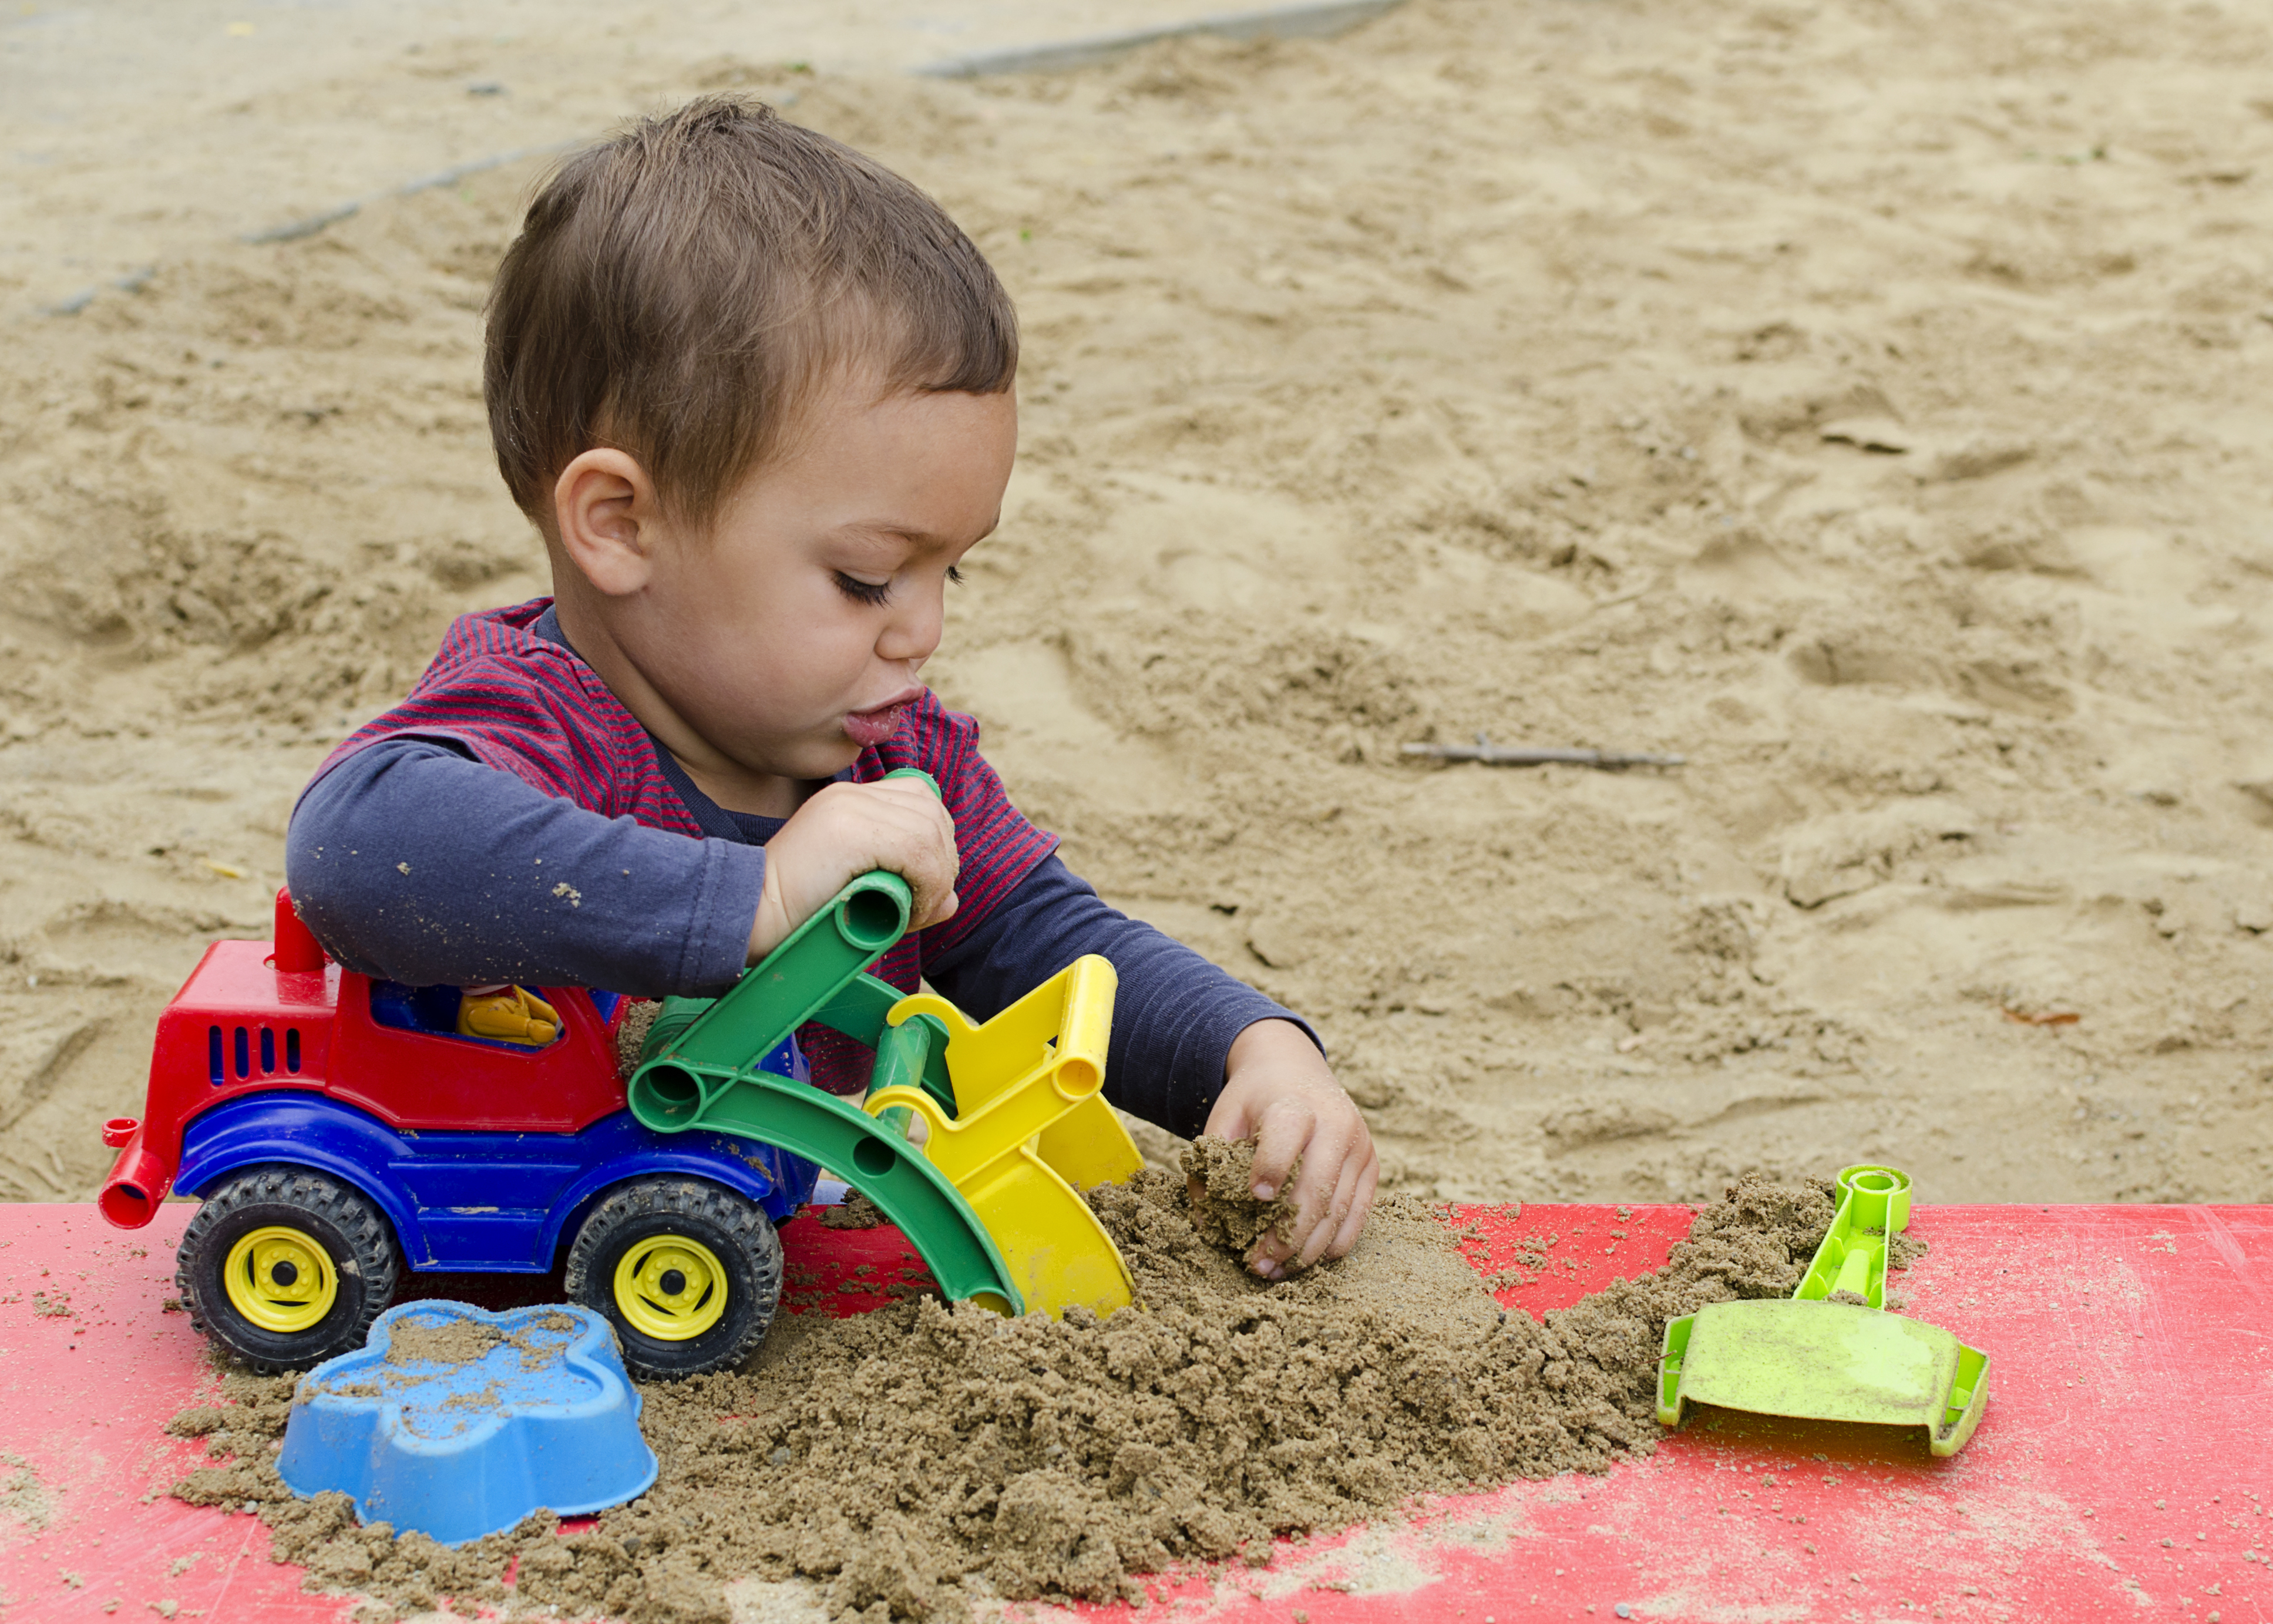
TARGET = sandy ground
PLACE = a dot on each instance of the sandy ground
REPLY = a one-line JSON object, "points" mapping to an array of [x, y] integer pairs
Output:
{"points": [[1862, 399], [134, 131]]}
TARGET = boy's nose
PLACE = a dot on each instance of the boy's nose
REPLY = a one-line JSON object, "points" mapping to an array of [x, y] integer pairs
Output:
{"points": [[914, 633]]}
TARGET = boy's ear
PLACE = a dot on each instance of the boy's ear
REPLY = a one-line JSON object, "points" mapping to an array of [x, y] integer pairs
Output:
{"points": [[609, 520]]}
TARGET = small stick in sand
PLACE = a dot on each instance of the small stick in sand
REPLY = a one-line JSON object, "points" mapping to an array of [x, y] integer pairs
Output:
{"points": [[1509, 755]]}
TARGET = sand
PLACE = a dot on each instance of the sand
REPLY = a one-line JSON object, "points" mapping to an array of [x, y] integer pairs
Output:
{"points": [[1863, 401], [1224, 1210], [926, 1460]]}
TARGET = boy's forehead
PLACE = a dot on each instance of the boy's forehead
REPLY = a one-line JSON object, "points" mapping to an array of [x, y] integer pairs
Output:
{"points": [[899, 436], [913, 534], [861, 393], [903, 471]]}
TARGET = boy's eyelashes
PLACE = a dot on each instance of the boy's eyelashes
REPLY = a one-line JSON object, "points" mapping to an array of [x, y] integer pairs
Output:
{"points": [[861, 591], [876, 592]]}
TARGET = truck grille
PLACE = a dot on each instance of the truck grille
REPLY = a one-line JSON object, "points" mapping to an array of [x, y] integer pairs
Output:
{"points": [[225, 1046]]}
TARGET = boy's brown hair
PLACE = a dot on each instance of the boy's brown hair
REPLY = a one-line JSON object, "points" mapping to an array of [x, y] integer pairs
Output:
{"points": [[680, 292]]}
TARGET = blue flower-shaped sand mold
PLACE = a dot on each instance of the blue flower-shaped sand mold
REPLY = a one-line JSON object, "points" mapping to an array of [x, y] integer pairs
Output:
{"points": [[458, 1422]]}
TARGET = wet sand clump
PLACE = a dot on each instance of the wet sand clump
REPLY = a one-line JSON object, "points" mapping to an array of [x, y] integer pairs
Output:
{"points": [[1225, 1210], [855, 1211], [443, 1342]]}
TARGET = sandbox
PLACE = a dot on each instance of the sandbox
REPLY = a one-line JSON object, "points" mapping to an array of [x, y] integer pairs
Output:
{"points": [[1865, 403]]}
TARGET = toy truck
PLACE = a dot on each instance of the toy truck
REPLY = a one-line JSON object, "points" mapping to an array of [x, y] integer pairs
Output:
{"points": [[338, 1131]]}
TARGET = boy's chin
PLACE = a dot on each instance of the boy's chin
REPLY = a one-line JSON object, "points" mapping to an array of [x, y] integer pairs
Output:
{"points": [[825, 758], [804, 760]]}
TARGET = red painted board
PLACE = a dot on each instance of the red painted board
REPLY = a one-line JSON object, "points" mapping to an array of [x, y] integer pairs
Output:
{"points": [[2131, 1361], [2118, 1472], [90, 1369], [847, 1272]]}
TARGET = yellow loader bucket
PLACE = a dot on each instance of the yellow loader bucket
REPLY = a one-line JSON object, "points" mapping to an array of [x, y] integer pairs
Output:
{"points": [[1031, 1129]]}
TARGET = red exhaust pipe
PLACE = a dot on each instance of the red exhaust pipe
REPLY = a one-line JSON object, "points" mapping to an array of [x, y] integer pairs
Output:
{"points": [[138, 1182]]}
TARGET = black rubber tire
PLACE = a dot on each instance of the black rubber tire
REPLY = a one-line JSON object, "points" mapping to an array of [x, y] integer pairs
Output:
{"points": [[736, 1231], [352, 1229]]}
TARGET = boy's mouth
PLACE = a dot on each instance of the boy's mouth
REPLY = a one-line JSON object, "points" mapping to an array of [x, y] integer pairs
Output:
{"points": [[871, 727]]}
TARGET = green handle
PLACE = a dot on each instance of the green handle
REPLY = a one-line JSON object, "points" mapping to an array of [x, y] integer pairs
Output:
{"points": [[906, 1052], [816, 973], [676, 1082], [1874, 1207]]}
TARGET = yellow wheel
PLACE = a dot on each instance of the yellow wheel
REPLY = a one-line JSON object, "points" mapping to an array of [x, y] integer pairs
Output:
{"points": [[688, 1273], [285, 1267], [281, 1279], [670, 1288]]}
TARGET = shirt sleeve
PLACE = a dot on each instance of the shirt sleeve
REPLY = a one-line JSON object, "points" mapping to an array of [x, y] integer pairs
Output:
{"points": [[413, 862], [1174, 1017]]}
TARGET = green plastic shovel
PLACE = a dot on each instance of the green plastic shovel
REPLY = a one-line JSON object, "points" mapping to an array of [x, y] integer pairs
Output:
{"points": [[1831, 1351]]}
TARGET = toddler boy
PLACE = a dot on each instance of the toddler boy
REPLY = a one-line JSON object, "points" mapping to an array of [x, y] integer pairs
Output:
{"points": [[756, 393]]}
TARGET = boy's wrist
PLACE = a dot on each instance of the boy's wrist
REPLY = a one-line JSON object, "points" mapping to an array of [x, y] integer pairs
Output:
{"points": [[1273, 1059], [770, 926], [1275, 1040]]}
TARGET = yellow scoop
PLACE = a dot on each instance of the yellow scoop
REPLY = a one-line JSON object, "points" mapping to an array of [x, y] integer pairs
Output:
{"points": [[1030, 1129]]}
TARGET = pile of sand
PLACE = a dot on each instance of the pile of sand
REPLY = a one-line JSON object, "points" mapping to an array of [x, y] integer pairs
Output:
{"points": [[926, 1456], [1865, 402]]}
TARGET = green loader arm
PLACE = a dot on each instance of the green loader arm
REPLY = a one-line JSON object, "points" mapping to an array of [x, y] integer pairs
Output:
{"points": [[699, 1068]]}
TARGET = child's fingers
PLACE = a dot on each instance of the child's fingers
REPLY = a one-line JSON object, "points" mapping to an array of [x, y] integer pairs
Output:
{"points": [[848, 830], [1369, 1182], [1285, 1129], [1322, 1188], [911, 833], [1335, 1218], [1326, 1219], [1312, 1191], [935, 897], [1272, 1253]]}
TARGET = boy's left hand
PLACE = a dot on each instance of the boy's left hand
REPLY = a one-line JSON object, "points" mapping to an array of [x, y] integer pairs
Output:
{"points": [[1278, 1086]]}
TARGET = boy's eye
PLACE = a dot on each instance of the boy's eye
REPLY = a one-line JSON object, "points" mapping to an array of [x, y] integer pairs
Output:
{"points": [[863, 591]]}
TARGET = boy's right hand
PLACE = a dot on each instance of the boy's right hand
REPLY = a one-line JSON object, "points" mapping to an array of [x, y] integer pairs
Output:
{"points": [[845, 831]]}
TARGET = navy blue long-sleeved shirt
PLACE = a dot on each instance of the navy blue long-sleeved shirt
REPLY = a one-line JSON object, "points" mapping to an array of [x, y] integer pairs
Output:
{"points": [[414, 859]]}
